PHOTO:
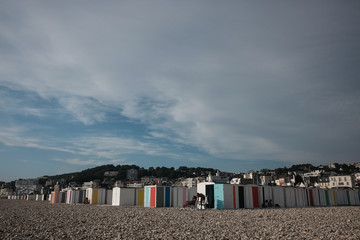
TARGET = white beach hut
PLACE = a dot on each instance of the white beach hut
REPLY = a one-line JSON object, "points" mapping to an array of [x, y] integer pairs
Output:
{"points": [[278, 196], [207, 188], [123, 196], [290, 197], [109, 194], [265, 195], [301, 197]]}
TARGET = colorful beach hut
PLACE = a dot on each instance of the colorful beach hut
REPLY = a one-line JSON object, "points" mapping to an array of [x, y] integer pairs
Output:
{"points": [[55, 197], [157, 196], [314, 197], [139, 197], [96, 195], [226, 196], [251, 196], [70, 196]]}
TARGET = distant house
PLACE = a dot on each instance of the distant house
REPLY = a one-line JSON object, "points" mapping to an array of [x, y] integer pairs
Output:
{"points": [[132, 174], [91, 184], [110, 173], [217, 178], [323, 181], [346, 181], [192, 182], [150, 180], [27, 186], [285, 180]]}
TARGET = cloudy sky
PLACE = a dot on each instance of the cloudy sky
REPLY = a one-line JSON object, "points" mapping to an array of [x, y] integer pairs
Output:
{"points": [[234, 85]]}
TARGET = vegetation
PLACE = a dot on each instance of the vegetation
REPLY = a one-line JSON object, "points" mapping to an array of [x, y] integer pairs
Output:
{"points": [[160, 172]]}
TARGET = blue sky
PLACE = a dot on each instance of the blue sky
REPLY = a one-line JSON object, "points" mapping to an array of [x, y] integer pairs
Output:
{"points": [[233, 85]]}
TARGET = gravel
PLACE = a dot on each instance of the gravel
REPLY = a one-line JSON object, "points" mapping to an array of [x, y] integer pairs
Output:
{"points": [[20, 219]]}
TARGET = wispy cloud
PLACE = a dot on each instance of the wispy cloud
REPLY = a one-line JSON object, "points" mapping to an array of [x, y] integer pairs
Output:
{"points": [[76, 161], [241, 85], [86, 110]]}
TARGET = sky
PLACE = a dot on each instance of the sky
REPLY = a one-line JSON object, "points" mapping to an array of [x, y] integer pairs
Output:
{"points": [[230, 85]]}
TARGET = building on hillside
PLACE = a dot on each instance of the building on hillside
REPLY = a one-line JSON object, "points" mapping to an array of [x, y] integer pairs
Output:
{"points": [[132, 174], [28, 186], [6, 191], [266, 180], [192, 182], [346, 181], [235, 180], [217, 178], [49, 183], [151, 180], [110, 173], [323, 181], [134, 184], [91, 184], [119, 184], [357, 177], [284, 180]]}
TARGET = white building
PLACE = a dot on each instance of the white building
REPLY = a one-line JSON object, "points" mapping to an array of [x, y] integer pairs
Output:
{"points": [[341, 181], [217, 178], [192, 182]]}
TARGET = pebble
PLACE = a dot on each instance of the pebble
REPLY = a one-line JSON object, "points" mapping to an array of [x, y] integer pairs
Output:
{"points": [[41, 220]]}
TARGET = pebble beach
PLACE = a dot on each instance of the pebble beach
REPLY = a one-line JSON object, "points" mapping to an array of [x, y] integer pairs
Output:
{"points": [[21, 219]]}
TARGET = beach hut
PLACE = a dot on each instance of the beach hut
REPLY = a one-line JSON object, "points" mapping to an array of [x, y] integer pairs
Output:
{"points": [[179, 195], [251, 196], [278, 194], [301, 197], [69, 196], [354, 197], [109, 194], [314, 197], [139, 197], [265, 195], [40, 197], [55, 197], [342, 197], [78, 196], [327, 197], [357, 197], [157, 196], [330, 195], [96, 195], [207, 188], [192, 192], [123, 196], [63, 197], [351, 197], [226, 196], [290, 197]]}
